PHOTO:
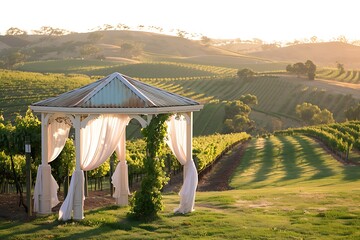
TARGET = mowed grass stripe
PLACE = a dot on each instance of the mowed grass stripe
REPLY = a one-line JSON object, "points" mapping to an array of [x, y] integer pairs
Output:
{"points": [[289, 161]]}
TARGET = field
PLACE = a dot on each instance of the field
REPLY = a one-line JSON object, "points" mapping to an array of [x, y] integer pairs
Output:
{"points": [[284, 188], [210, 85]]}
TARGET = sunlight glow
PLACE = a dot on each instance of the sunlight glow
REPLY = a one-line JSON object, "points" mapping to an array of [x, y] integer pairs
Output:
{"points": [[268, 20]]}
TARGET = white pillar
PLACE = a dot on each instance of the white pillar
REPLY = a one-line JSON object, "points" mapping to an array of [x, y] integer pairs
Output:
{"points": [[78, 204], [45, 196], [123, 199], [189, 135]]}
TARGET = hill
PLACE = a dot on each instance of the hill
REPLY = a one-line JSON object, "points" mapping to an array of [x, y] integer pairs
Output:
{"points": [[322, 54], [128, 47]]}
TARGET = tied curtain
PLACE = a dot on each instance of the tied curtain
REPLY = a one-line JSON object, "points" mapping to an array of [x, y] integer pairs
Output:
{"points": [[120, 178], [98, 140], [177, 141], [57, 132]]}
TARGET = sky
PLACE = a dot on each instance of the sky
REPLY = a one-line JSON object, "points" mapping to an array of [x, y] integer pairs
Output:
{"points": [[268, 20]]}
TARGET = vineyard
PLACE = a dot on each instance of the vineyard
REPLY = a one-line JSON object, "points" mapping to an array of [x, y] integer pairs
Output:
{"points": [[206, 149], [343, 139], [277, 96], [348, 76]]}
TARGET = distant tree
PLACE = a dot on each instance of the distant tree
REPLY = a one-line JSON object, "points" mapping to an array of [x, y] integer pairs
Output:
{"points": [[11, 57], [245, 73], [237, 118], [94, 37], [342, 39], [141, 27], [353, 113], [340, 67], [299, 68], [249, 99], [50, 31], [129, 50], [323, 117], [88, 50], [205, 40], [310, 69], [181, 33], [314, 39], [312, 114], [14, 31], [289, 68], [122, 26]]}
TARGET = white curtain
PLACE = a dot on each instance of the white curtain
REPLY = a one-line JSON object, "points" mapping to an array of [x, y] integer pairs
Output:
{"points": [[120, 178], [177, 141], [99, 139], [57, 132]]}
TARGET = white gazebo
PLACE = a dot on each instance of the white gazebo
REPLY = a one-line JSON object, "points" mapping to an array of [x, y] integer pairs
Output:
{"points": [[99, 113]]}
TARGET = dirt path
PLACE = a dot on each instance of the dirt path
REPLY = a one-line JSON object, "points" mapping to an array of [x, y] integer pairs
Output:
{"points": [[219, 176]]}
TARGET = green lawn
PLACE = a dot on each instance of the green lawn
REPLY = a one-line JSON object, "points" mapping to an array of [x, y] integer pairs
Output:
{"points": [[285, 188]]}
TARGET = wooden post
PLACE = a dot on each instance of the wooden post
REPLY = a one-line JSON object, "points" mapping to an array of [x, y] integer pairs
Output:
{"points": [[28, 175]]}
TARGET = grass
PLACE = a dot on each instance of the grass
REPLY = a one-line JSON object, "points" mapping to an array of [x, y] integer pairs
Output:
{"points": [[285, 188]]}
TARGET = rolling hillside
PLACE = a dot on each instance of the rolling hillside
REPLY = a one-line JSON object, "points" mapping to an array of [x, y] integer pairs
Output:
{"points": [[322, 54]]}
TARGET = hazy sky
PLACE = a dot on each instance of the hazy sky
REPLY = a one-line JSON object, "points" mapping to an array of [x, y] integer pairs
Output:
{"points": [[268, 20]]}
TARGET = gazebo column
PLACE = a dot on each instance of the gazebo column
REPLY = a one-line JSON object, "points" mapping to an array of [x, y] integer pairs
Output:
{"points": [[45, 196], [189, 134], [78, 204], [123, 199]]}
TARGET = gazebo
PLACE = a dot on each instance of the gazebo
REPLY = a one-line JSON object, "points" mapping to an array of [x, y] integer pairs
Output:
{"points": [[99, 112]]}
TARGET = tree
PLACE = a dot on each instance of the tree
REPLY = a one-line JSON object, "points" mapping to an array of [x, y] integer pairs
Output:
{"points": [[236, 117], [323, 117], [89, 50], [13, 56], [314, 39], [340, 67], [30, 126], [205, 40], [245, 73], [147, 202], [312, 114], [353, 113], [94, 37], [50, 31], [310, 69], [14, 31], [249, 99], [299, 68], [129, 50]]}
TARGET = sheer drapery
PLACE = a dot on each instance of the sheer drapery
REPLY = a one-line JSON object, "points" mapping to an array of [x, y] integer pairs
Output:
{"points": [[99, 139], [177, 141], [57, 132], [120, 176]]}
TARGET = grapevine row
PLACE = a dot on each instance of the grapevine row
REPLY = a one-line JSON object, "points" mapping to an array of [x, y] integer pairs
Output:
{"points": [[340, 138]]}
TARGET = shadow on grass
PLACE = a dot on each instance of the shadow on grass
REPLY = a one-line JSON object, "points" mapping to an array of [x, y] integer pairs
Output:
{"points": [[48, 225], [351, 173], [293, 171], [98, 228], [267, 162], [313, 158]]}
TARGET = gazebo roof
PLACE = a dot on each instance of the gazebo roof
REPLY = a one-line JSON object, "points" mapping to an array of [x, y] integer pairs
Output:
{"points": [[117, 93]]}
